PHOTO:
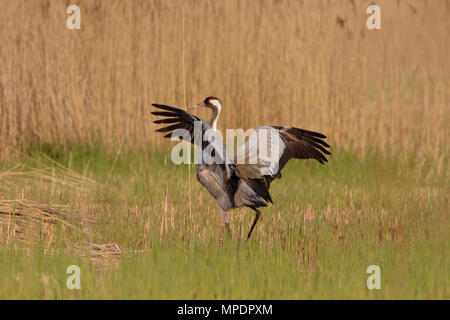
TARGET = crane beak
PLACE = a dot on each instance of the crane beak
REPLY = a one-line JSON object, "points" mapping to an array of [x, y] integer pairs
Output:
{"points": [[198, 106]]}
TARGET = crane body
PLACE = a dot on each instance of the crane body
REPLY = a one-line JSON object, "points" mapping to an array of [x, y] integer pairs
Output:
{"points": [[235, 181]]}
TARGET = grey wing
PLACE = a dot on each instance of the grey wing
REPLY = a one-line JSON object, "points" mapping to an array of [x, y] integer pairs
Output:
{"points": [[269, 148], [302, 144], [262, 151]]}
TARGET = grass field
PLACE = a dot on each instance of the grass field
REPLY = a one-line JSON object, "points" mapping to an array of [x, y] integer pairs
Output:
{"points": [[85, 180], [328, 224]]}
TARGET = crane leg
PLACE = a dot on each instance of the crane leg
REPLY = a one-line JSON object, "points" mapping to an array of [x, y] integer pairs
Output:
{"points": [[254, 223], [227, 226], [225, 217]]}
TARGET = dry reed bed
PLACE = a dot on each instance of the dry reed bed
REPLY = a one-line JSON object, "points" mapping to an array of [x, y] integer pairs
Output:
{"points": [[25, 223], [308, 63], [30, 223]]}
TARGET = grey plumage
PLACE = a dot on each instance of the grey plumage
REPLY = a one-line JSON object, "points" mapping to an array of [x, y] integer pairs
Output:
{"points": [[235, 184]]}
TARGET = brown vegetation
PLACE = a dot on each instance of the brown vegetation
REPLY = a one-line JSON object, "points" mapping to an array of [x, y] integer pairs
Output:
{"points": [[311, 64]]}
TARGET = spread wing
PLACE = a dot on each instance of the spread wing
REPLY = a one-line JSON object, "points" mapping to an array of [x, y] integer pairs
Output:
{"points": [[191, 128], [269, 148], [180, 123], [302, 144]]}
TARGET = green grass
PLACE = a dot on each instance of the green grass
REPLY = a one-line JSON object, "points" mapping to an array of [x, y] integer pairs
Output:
{"points": [[327, 225]]}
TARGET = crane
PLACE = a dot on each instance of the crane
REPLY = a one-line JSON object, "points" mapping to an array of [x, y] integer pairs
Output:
{"points": [[244, 179]]}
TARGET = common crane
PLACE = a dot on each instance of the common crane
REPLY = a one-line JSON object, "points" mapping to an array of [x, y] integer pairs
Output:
{"points": [[243, 183]]}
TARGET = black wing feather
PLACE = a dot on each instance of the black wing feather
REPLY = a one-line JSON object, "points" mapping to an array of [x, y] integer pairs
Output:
{"points": [[178, 119]]}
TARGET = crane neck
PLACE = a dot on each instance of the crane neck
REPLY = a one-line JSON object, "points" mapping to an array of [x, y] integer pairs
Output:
{"points": [[214, 117]]}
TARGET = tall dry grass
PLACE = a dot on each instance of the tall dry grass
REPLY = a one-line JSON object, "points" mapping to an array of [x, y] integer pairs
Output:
{"points": [[311, 64]]}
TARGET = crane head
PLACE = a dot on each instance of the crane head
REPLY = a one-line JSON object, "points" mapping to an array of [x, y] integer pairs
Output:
{"points": [[210, 102]]}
